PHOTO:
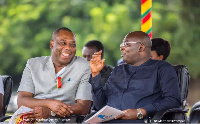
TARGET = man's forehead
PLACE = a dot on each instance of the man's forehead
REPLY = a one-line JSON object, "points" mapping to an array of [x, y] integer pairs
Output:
{"points": [[90, 49], [66, 38], [133, 39]]}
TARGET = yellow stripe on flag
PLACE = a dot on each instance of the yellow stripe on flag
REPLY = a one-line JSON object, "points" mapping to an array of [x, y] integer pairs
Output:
{"points": [[146, 26], [145, 6]]}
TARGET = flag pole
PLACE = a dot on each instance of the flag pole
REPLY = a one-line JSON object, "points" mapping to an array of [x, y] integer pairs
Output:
{"points": [[146, 17]]}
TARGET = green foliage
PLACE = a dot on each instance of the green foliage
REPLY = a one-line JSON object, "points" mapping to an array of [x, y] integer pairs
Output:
{"points": [[26, 27]]}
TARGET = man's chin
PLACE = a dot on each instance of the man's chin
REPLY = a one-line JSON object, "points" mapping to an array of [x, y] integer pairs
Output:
{"points": [[66, 61]]}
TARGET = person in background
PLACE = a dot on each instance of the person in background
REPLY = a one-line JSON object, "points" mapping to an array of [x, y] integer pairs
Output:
{"points": [[120, 61], [89, 49], [160, 49], [57, 85], [1, 94], [140, 88]]}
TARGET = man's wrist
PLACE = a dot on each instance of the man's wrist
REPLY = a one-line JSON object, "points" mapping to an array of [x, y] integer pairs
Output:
{"points": [[95, 74], [139, 114], [48, 102]]}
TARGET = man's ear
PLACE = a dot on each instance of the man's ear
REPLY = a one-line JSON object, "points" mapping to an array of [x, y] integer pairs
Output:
{"points": [[161, 57], [141, 48], [102, 55], [51, 44]]}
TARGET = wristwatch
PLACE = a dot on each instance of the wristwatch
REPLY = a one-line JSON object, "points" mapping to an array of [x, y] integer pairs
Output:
{"points": [[52, 113], [139, 114]]}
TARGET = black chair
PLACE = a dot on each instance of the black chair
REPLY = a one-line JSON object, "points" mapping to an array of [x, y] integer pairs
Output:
{"points": [[8, 84], [194, 116], [176, 115]]}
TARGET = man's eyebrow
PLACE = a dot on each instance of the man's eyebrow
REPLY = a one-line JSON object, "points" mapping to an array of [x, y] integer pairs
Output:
{"points": [[68, 40]]}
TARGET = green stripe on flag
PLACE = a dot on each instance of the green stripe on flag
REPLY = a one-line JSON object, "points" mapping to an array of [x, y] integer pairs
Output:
{"points": [[146, 12], [149, 30]]}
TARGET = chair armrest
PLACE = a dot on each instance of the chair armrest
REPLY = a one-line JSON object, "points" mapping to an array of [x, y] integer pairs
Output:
{"points": [[3, 118], [160, 114]]}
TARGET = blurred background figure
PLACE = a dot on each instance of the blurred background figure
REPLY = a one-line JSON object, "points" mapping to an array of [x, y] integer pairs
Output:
{"points": [[160, 49], [120, 61], [89, 49]]}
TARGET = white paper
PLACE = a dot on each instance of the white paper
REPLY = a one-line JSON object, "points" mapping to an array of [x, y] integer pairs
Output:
{"points": [[21, 110], [105, 114]]}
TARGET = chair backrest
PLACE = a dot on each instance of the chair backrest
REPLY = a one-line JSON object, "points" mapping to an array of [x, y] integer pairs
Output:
{"points": [[177, 113], [8, 84], [184, 81]]}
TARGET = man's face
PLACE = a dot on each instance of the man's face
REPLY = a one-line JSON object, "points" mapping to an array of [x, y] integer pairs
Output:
{"points": [[155, 56], [63, 47], [87, 52], [130, 50]]}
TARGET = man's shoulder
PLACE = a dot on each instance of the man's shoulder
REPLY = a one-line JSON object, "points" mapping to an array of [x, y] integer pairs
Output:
{"points": [[81, 61], [163, 65], [39, 59], [159, 63]]}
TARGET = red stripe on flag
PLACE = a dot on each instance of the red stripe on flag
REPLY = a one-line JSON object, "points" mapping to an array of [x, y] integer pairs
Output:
{"points": [[143, 1], [150, 34], [146, 17]]}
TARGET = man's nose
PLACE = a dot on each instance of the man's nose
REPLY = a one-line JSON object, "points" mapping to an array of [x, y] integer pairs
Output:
{"points": [[67, 46], [121, 48]]}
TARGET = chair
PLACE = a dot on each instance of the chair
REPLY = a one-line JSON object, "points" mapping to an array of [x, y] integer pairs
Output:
{"points": [[177, 115], [8, 84], [194, 116]]}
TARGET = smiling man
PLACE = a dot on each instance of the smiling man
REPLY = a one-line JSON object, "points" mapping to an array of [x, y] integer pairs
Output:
{"points": [[141, 87], [56, 84]]}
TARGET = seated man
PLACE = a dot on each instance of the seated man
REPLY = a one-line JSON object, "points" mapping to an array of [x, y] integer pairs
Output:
{"points": [[141, 87], [160, 49], [57, 84], [1, 94], [89, 49]]}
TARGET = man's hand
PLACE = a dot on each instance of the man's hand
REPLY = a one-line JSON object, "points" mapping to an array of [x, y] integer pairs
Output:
{"points": [[59, 108], [41, 112], [96, 64], [37, 114], [130, 114]]}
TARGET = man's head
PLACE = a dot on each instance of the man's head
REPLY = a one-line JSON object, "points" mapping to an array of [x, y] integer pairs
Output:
{"points": [[136, 48], [63, 46], [91, 47], [160, 49]]}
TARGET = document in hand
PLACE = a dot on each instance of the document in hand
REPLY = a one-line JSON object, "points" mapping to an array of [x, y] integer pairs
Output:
{"points": [[105, 114], [17, 117]]}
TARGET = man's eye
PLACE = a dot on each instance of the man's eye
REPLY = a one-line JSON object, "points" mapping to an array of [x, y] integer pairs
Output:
{"points": [[62, 43], [72, 45], [126, 44]]}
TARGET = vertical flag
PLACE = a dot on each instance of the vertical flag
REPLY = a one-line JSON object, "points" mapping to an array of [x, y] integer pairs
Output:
{"points": [[146, 9]]}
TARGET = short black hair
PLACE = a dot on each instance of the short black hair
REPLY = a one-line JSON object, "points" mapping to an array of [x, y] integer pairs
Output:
{"points": [[161, 46], [95, 43], [55, 33]]}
